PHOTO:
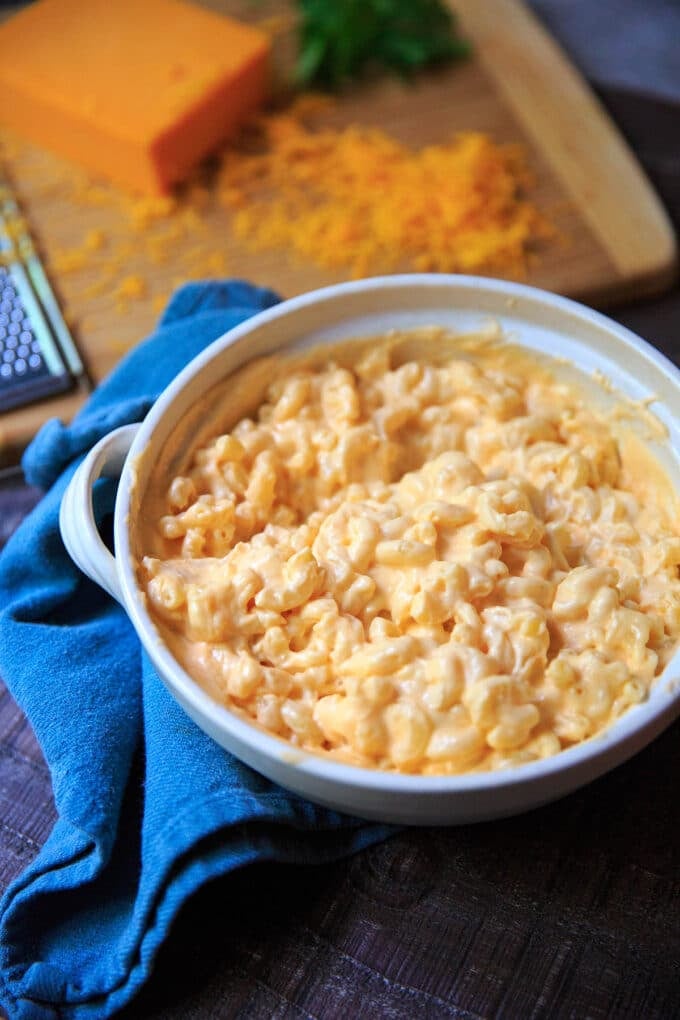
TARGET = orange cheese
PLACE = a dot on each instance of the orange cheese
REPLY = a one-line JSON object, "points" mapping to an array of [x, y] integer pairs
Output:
{"points": [[137, 92]]}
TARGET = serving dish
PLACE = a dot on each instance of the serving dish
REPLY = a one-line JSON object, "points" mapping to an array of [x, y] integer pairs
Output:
{"points": [[535, 319]]}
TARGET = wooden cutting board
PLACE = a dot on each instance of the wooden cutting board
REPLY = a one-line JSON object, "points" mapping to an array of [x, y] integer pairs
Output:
{"points": [[616, 240]]}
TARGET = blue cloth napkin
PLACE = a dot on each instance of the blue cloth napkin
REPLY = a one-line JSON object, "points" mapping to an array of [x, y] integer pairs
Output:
{"points": [[149, 808]]}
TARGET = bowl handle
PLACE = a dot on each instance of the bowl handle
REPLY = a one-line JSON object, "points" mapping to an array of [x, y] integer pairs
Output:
{"points": [[76, 517]]}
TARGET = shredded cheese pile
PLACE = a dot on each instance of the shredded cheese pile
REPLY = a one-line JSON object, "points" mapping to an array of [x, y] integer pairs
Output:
{"points": [[356, 198], [350, 199]]}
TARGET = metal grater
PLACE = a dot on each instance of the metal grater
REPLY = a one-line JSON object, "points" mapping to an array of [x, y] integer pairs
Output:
{"points": [[37, 355], [29, 369]]}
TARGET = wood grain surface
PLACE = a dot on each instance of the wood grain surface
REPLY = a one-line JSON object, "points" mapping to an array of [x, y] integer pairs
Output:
{"points": [[615, 240], [567, 912]]}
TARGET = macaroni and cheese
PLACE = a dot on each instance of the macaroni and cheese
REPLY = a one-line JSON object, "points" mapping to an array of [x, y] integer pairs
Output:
{"points": [[432, 556]]}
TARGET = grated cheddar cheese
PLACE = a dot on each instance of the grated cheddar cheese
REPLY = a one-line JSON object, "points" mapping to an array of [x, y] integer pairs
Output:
{"points": [[357, 198]]}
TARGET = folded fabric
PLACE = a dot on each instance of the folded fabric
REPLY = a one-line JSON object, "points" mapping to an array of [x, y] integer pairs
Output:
{"points": [[149, 808]]}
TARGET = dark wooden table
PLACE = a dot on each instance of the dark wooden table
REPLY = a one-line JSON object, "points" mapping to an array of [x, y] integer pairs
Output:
{"points": [[571, 911]]}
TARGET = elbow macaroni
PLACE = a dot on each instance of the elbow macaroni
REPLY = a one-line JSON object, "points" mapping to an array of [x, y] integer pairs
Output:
{"points": [[433, 567]]}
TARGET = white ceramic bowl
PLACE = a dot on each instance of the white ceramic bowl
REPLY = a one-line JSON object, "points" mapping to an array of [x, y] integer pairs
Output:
{"points": [[534, 318]]}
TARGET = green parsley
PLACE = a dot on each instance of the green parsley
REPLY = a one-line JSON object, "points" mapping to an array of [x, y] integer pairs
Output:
{"points": [[339, 39]]}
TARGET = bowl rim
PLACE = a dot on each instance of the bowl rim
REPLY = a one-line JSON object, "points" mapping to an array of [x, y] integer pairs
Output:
{"points": [[653, 714]]}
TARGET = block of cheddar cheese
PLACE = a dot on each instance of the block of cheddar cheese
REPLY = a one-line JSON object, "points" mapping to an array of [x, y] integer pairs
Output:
{"points": [[136, 90]]}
